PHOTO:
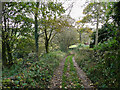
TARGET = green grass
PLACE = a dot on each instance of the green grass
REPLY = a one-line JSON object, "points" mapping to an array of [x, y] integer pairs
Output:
{"points": [[74, 76], [64, 77], [73, 80]]}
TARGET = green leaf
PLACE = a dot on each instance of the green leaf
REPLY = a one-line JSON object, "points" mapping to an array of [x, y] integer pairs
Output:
{"points": [[24, 84], [16, 82]]}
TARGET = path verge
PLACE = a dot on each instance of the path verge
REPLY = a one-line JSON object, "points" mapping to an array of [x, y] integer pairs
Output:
{"points": [[57, 76], [84, 79]]}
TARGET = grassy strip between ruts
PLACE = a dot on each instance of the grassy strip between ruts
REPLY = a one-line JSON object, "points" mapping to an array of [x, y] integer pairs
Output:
{"points": [[64, 78], [70, 78]]}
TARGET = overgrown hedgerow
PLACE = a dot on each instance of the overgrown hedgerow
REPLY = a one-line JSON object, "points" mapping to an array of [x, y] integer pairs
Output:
{"points": [[103, 70]]}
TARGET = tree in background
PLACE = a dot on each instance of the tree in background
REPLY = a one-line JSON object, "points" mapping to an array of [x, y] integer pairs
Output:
{"points": [[36, 28], [86, 35], [15, 25], [49, 22], [95, 14], [116, 18], [67, 37], [82, 30]]}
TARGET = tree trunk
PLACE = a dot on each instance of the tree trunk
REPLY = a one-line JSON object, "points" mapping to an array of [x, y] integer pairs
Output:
{"points": [[4, 59], [80, 36], [96, 39], [4, 56], [9, 52], [46, 41], [46, 46], [36, 29]]}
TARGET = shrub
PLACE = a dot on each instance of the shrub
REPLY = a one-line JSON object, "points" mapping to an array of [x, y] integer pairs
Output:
{"points": [[36, 75]]}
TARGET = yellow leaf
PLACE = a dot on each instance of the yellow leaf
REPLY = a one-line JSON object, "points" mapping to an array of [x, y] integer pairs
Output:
{"points": [[8, 87], [43, 78], [79, 21], [18, 85]]}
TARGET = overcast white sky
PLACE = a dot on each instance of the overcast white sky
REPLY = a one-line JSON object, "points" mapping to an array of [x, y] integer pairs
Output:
{"points": [[77, 8]]}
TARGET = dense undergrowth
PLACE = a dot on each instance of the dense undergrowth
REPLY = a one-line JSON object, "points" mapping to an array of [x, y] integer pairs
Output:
{"points": [[32, 74], [102, 67]]}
